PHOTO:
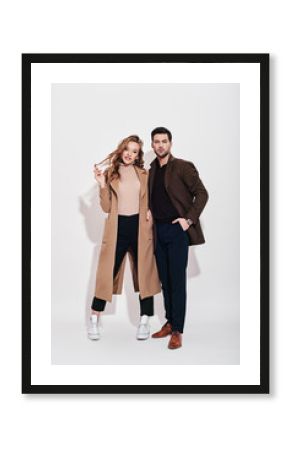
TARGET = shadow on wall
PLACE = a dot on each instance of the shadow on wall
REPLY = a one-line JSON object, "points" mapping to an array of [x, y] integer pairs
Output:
{"points": [[148, 158], [94, 219]]}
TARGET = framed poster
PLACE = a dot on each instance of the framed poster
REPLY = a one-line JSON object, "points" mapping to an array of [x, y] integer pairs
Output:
{"points": [[76, 110]]}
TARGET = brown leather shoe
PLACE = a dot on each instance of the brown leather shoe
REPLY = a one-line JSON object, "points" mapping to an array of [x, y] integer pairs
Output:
{"points": [[165, 331], [175, 340]]}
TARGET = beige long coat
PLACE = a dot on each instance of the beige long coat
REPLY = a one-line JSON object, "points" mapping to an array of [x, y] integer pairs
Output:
{"points": [[145, 276]]}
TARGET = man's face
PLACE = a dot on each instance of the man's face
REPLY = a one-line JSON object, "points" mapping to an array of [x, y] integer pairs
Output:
{"points": [[161, 145]]}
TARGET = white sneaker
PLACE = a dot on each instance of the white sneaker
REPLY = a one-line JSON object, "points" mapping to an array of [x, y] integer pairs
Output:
{"points": [[143, 330], [93, 330]]}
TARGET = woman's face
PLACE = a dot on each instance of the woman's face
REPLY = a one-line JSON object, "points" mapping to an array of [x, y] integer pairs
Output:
{"points": [[130, 154]]}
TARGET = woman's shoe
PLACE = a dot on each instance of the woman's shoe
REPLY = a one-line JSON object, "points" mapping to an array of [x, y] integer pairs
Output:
{"points": [[143, 330], [93, 330]]}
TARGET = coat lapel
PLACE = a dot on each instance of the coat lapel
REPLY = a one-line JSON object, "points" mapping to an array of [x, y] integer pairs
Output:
{"points": [[115, 185], [151, 177], [142, 175]]}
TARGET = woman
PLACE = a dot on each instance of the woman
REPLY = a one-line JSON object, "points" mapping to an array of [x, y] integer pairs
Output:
{"points": [[128, 228]]}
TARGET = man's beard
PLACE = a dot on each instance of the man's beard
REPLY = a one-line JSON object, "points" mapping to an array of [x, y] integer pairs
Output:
{"points": [[163, 155]]}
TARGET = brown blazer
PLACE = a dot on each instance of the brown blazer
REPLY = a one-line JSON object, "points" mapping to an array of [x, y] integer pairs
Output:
{"points": [[145, 275], [186, 191]]}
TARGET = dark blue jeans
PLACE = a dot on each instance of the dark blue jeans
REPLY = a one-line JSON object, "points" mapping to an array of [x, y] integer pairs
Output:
{"points": [[127, 237], [171, 256]]}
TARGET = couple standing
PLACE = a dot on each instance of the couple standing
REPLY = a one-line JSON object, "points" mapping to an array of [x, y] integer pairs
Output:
{"points": [[153, 217]]}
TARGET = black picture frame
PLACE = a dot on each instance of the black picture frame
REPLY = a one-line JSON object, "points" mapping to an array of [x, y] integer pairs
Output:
{"points": [[263, 60]]}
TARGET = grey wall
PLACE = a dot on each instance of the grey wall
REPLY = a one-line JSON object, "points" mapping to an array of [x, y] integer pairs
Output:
{"points": [[88, 121]]}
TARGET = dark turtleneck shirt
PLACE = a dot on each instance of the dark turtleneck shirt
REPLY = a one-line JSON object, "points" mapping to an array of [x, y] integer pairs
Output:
{"points": [[162, 207]]}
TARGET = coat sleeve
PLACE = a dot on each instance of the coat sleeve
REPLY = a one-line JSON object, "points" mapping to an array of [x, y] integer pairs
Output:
{"points": [[105, 199], [148, 190], [196, 188]]}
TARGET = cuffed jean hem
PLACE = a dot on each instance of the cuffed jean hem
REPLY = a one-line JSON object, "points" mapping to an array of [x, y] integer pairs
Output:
{"points": [[98, 304], [146, 305]]}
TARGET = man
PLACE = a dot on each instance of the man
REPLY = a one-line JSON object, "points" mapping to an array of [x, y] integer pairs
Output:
{"points": [[176, 200]]}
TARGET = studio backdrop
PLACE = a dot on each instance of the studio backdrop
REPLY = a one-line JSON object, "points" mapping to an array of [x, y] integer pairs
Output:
{"points": [[88, 121]]}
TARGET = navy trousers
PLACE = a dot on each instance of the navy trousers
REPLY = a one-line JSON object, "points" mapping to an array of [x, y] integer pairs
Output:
{"points": [[172, 256], [127, 237]]}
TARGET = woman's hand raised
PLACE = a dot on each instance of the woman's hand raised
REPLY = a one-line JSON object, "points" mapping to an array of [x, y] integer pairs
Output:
{"points": [[99, 176]]}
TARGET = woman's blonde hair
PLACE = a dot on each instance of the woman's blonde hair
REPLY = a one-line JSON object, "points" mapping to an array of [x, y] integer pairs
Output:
{"points": [[115, 158]]}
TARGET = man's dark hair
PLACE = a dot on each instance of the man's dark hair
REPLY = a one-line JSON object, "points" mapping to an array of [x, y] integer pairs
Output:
{"points": [[161, 130]]}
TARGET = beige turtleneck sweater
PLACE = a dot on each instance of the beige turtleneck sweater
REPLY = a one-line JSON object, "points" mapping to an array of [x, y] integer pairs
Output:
{"points": [[129, 191]]}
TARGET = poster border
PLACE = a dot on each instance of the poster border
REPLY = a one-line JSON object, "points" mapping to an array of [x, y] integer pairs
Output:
{"points": [[27, 60]]}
